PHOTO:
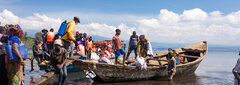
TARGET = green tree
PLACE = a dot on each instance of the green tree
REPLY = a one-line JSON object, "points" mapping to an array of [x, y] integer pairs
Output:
{"points": [[38, 35], [25, 36]]}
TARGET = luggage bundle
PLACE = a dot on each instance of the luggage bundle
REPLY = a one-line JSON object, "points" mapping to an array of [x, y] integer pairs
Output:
{"points": [[105, 60], [23, 50], [140, 63]]}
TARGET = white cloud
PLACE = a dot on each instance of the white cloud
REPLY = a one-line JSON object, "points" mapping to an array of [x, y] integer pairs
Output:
{"points": [[192, 25], [168, 16], [105, 30], [194, 14], [38, 22], [35, 22]]}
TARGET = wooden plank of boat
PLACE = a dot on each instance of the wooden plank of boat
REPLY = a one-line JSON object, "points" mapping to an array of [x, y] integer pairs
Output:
{"points": [[111, 73], [193, 50], [42, 79], [157, 59], [48, 75], [188, 56]]}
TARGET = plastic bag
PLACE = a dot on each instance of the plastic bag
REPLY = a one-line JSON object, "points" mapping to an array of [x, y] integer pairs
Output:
{"points": [[23, 50], [140, 63], [94, 56], [105, 60]]}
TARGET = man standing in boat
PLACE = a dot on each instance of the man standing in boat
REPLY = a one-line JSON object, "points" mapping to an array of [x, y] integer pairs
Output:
{"points": [[132, 44], [68, 36], [116, 46], [236, 72]]}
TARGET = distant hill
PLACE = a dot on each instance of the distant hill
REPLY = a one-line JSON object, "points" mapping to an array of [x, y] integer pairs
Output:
{"points": [[220, 48], [165, 46], [99, 38]]}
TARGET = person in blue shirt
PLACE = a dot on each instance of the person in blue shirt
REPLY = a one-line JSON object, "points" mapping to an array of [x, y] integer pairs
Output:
{"points": [[78, 38], [15, 67]]}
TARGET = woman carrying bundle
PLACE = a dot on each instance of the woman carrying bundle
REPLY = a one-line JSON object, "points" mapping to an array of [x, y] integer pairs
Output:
{"points": [[15, 67]]}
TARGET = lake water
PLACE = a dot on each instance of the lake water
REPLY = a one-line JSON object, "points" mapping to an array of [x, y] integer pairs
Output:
{"points": [[215, 69]]}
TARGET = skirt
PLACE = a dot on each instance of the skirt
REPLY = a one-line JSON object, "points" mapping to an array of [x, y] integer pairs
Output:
{"points": [[15, 73]]}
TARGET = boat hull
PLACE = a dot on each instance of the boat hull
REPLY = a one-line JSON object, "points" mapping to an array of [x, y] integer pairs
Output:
{"points": [[116, 73], [119, 73]]}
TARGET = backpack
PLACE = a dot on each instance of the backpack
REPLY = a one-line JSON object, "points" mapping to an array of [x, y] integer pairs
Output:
{"points": [[62, 28]]}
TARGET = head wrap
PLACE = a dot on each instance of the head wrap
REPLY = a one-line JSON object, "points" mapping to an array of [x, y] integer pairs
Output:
{"points": [[15, 28]]}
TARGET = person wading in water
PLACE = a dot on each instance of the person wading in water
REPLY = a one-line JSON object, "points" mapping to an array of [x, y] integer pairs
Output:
{"points": [[236, 72]]}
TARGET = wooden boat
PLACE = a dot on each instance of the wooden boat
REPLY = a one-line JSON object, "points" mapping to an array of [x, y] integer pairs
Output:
{"points": [[192, 54]]}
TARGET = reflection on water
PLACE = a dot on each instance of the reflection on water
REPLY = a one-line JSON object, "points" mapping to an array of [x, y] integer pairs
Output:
{"points": [[215, 69]]}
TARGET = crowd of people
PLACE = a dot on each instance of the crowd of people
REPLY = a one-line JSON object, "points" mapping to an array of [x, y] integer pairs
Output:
{"points": [[56, 48]]}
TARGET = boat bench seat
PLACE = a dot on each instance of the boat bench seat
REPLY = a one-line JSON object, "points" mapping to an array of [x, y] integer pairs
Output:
{"points": [[156, 59], [193, 50], [160, 66], [189, 56]]}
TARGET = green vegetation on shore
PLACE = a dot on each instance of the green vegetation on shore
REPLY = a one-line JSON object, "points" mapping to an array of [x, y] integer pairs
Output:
{"points": [[30, 40]]}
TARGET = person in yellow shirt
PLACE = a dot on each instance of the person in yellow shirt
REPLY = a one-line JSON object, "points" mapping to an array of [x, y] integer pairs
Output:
{"points": [[68, 36]]}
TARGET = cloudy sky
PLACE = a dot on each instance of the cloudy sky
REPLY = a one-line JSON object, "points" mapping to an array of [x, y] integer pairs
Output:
{"points": [[175, 21]]}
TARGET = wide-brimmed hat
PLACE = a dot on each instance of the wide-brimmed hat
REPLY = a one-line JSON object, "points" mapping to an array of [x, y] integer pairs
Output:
{"points": [[58, 42], [44, 30]]}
